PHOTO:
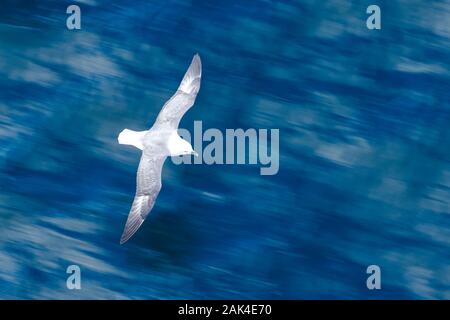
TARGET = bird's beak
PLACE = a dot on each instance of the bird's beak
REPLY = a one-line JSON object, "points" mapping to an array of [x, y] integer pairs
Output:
{"points": [[195, 153]]}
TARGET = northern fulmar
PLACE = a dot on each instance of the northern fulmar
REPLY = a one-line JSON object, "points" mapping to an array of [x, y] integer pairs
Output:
{"points": [[157, 143]]}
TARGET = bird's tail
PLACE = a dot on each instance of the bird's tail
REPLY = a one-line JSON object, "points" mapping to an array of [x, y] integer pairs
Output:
{"points": [[133, 138]]}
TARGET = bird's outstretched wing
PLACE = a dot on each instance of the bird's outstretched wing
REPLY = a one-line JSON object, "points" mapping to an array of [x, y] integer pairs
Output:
{"points": [[148, 184], [183, 99]]}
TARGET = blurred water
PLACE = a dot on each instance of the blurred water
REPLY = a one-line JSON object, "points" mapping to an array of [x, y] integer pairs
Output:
{"points": [[364, 163]]}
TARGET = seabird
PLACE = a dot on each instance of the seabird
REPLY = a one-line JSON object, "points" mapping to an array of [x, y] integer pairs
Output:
{"points": [[157, 143]]}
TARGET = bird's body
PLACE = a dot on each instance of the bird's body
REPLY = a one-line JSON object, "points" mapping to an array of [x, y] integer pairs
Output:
{"points": [[157, 143]]}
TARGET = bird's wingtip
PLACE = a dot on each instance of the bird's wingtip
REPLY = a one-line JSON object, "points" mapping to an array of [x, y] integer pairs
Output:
{"points": [[197, 62], [124, 238]]}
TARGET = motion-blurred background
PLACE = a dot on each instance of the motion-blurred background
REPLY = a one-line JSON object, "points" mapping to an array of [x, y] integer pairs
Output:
{"points": [[364, 177]]}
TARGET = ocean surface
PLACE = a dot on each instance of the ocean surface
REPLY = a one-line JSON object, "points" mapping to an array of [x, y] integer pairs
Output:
{"points": [[364, 134]]}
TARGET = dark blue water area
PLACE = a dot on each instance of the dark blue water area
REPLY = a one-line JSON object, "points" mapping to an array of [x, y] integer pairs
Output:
{"points": [[364, 129]]}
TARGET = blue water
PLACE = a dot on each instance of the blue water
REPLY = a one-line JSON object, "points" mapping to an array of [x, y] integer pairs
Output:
{"points": [[364, 178]]}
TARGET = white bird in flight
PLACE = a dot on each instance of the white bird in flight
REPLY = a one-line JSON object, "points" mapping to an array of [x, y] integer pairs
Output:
{"points": [[157, 143]]}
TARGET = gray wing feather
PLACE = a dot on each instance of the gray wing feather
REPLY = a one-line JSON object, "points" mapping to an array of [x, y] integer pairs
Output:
{"points": [[148, 185], [184, 98]]}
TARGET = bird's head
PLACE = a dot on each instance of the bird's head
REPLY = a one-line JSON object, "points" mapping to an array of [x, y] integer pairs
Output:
{"points": [[180, 147], [187, 149]]}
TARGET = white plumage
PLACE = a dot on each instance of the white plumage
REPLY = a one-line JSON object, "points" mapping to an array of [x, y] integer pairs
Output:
{"points": [[157, 143]]}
